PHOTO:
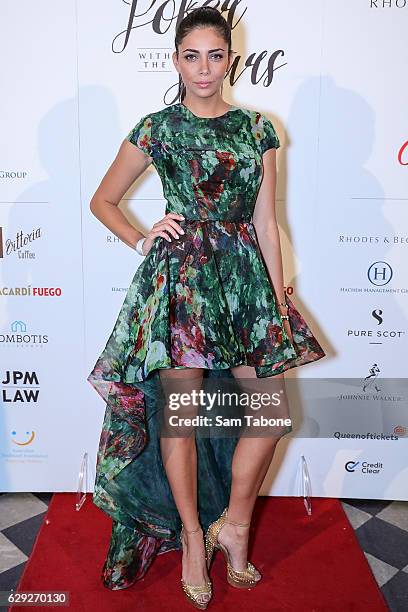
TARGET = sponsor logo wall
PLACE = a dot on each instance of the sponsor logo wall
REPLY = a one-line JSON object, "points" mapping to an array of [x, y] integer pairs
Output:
{"points": [[328, 75]]}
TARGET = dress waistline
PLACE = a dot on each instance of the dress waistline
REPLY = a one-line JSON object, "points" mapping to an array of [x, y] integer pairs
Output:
{"points": [[192, 220]]}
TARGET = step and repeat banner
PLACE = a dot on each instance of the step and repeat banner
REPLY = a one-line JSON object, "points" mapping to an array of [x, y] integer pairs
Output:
{"points": [[329, 75]]}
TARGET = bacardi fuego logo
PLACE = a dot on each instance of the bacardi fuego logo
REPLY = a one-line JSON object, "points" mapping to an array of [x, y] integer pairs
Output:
{"points": [[30, 291], [18, 245], [20, 386], [21, 336]]}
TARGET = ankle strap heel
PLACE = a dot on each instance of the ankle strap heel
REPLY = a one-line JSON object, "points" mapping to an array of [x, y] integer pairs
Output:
{"points": [[194, 592], [239, 579]]}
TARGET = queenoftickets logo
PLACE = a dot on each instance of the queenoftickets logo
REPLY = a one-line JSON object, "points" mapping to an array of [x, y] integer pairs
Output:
{"points": [[351, 435], [30, 291]]}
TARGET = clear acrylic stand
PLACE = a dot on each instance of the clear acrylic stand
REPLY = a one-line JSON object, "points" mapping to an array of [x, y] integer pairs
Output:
{"points": [[82, 483], [305, 485]]}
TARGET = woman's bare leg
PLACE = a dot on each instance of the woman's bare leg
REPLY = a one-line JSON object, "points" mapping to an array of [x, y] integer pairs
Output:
{"points": [[180, 462], [251, 460]]}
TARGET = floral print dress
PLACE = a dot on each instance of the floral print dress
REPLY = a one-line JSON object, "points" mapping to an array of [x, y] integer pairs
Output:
{"points": [[201, 301]]}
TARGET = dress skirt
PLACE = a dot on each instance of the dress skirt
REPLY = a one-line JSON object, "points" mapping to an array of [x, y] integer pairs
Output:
{"points": [[203, 301]]}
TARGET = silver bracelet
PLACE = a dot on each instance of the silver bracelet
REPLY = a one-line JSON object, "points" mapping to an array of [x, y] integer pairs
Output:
{"points": [[285, 317], [139, 250]]}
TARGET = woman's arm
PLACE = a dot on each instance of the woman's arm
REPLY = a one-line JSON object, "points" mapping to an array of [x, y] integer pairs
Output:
{"points": [[129, 164], [266, 226], [267, 232]]}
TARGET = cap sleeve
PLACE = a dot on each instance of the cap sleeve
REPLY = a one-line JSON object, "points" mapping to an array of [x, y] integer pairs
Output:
{"points": [[141, 135], [269, 138]]}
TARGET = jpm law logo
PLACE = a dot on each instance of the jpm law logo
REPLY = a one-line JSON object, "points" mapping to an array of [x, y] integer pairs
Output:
{"points": [[17, 245], [20, 386]]}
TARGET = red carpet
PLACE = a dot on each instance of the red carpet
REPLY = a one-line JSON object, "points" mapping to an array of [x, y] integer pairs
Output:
{"points": [[313, 564]]}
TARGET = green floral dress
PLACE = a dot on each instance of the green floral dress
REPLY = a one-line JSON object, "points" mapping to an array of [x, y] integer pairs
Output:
{"points": [[201, 301]]}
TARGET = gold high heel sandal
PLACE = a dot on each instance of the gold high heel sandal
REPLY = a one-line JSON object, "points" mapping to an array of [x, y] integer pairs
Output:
{"points": [[192, 592], [240, 579]]}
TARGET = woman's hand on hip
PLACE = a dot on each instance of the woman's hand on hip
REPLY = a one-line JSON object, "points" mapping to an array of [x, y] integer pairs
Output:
{"points": [[165, 228]]}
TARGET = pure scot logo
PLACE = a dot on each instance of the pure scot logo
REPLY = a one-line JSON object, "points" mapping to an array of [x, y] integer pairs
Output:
{"points": [[258, 66], [383, 332], [19, 245]]}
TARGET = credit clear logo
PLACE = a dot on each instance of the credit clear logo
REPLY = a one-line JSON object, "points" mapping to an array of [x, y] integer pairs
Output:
{"points": [[365, 467]]}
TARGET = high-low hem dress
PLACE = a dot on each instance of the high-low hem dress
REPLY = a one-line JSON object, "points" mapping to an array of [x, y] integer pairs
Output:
{"points": [[204, 300]]}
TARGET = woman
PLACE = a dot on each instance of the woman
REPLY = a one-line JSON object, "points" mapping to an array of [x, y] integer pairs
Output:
{"points": [[201, 305]]}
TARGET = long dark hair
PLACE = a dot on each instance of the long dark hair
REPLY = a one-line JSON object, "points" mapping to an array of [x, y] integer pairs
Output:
{"points": [[200, 17]]}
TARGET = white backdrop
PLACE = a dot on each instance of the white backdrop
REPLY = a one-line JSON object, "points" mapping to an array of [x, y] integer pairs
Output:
{"points": [[78, 76]]}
